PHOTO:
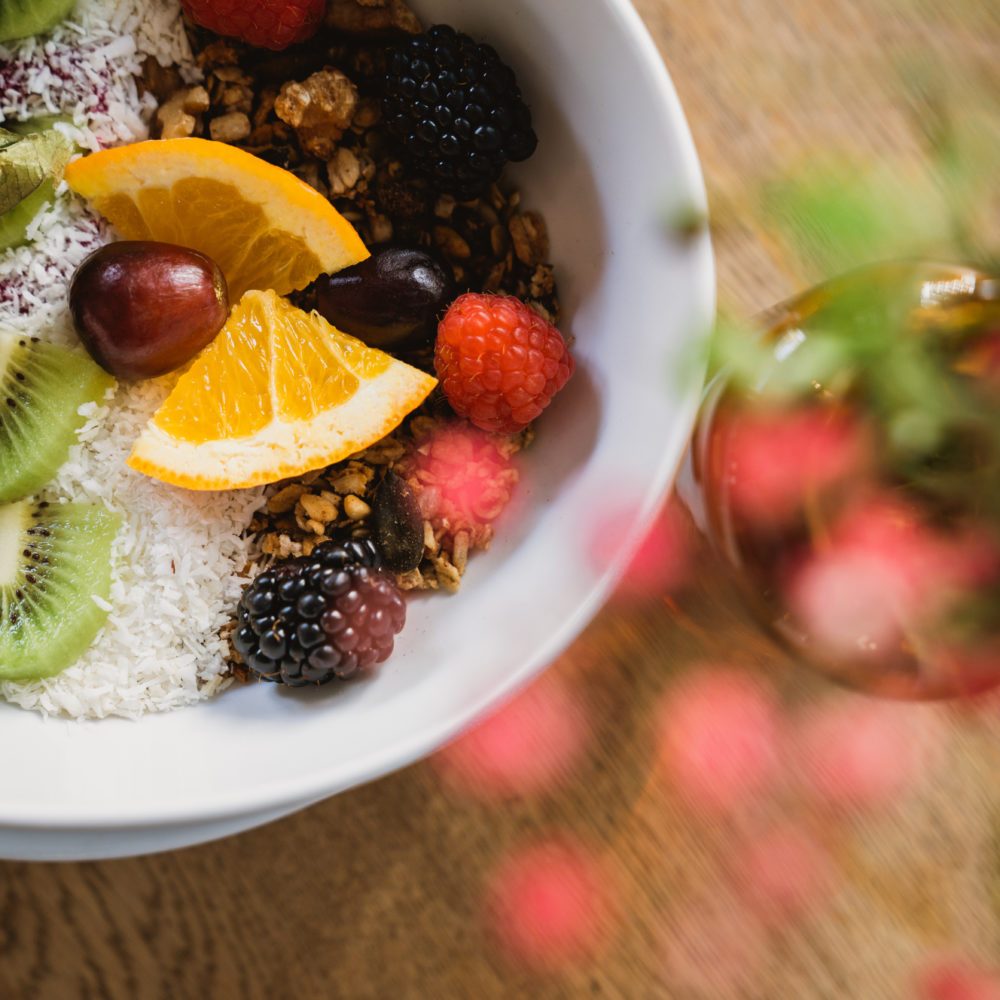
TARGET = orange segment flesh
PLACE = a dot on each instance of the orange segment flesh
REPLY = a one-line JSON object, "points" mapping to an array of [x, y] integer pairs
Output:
{"points": [[277, 393], [263, 226]]}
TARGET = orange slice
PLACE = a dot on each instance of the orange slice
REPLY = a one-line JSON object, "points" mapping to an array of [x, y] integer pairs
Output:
{"points": [[277, 393], [262, 225]]}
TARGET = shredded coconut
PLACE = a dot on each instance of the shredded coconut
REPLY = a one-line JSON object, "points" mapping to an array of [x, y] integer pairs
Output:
{"points": [[178, 561]]}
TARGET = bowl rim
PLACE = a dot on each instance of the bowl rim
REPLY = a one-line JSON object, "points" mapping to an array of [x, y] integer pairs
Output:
{"points": [[288, 795]]}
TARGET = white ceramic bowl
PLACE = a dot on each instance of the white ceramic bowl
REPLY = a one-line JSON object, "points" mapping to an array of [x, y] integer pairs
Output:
{"points": [[615, 157]]}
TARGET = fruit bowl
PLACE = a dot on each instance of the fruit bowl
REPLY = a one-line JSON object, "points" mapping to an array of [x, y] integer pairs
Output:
{"points": [[615, 161]]}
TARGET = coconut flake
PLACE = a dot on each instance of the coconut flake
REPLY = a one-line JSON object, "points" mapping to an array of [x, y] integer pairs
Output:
{"points": [[180, 558]]}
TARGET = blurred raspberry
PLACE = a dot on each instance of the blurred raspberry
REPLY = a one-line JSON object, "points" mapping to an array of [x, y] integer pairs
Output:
{"points": [[269, 24], [465, 478], [956, 979], [880, 570], [528, 746], [499, 362], [897, 532], [854, 753], [771, 461], [550, 905], [720, 732], [853, 601]]}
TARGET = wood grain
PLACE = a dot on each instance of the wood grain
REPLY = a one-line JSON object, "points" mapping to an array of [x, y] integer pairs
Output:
{"points": [[378, 892]]}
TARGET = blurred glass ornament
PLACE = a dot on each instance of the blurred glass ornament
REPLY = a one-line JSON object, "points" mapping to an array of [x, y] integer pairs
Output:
{"points": [[846, 466]]}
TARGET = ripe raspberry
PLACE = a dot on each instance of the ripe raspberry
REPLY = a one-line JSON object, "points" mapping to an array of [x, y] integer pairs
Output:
{"points": [[269, 24], [499, 362]]}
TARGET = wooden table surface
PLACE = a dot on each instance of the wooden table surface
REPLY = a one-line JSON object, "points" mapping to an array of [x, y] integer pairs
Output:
{"points": [[378, 893]]}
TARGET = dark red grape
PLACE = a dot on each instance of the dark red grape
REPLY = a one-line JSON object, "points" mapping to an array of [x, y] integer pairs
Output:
{"points": [[143, 309], [391, 301]]}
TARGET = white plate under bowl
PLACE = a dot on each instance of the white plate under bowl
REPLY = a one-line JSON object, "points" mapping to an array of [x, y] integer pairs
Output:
{"points": [[615, 159]]}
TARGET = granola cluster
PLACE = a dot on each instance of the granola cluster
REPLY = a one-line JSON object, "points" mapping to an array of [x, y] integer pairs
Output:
{"points": [[316, 111]]}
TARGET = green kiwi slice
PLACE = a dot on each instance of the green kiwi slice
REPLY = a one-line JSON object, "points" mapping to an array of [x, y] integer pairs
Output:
{"points": [[41, 388], [14, 224], [22, 18], [54, 560]]}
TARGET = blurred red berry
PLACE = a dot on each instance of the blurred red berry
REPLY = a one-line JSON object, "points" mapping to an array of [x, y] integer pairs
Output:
{"points": [[854, 753], [852, 601], [956, 979], [269, 24], [719, 738], [466, 478], [770, 462], [499, 362], [880, 570], [528, 746], [550, 905]]}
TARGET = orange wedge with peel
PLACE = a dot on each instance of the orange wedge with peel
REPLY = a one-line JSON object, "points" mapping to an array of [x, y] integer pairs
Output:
{"points": [[279, 392], [262, 225]]}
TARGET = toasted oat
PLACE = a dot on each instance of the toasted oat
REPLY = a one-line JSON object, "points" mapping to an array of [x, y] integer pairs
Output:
{"points": [[415, 580], [355, 508], [431, 544], [160, 81], [371, 16], [530, 237], [178, 117], [381, 229], [451, 243], [354, 478], [233, 127], [308, 524], [449, 577], [285, 499], [218, 53], [281, 546], [343, 171], [386, 452], [460, 551], [318, 508], [499, 241], [444, 207]]}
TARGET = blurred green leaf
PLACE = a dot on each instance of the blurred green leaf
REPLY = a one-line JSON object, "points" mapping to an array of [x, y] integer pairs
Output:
{"points": [[839, 219]]}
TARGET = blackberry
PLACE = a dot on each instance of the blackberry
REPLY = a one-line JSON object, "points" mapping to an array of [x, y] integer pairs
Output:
{"points": [[320, 617], [457, 111]]}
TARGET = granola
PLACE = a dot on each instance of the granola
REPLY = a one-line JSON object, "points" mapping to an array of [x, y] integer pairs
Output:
{"points": [[317, 112], [462, 480]]}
